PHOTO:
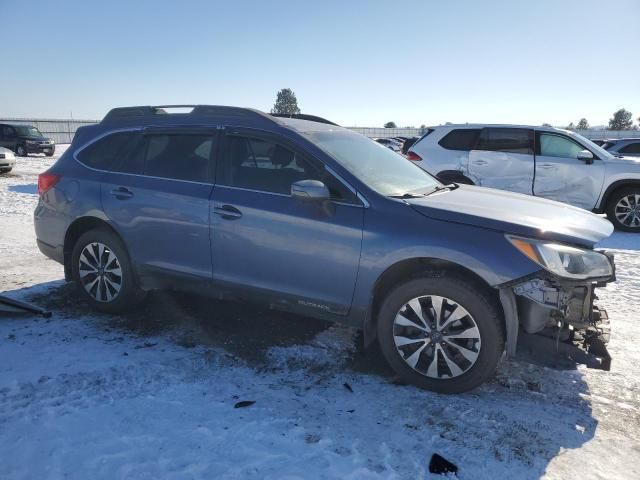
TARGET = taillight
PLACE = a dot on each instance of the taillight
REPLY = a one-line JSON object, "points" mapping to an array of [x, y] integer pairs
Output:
{"points": [[46, 181], [413, 156]]}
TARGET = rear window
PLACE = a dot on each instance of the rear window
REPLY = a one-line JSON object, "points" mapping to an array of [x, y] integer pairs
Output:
{"points": [[460, 139], [511, 140], [631, 148], [118, 152]]}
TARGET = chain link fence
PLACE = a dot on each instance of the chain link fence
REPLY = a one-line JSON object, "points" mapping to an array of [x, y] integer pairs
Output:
{"points": [[63, 130]]}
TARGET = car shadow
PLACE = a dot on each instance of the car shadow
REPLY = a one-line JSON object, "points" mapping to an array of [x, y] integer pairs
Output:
{"points": [[621, 241], [30, 188], [525, 417]]}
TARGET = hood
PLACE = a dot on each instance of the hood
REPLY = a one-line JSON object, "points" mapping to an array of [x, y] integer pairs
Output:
{"points": [[626, 160], [34, 137], [514, 213]]}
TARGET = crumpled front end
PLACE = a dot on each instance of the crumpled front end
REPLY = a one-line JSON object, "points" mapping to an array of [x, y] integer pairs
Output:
{"points": [[562, 309]]}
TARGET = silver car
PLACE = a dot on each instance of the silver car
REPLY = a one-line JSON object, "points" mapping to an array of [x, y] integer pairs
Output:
{"points": [[7, 160], [542, 161], [626, 147]]}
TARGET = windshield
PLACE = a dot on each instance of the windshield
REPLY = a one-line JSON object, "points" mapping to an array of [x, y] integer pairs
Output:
{"points": [[598, 150], [28, 131], [381, 169]]}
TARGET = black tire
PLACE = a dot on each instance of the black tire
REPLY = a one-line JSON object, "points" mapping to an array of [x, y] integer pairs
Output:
{"points": [[21, 151], [49, 154], [475, 301], [612, 204], [5, 170], [129, 295]]}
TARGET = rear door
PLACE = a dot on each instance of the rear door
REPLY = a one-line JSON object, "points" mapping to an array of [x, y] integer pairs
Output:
{"points": [[561, 176], [265, 240], [157, 195], [7, 137], [503, 158]]}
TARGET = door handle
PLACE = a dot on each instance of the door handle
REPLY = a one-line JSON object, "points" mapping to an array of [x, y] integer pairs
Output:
{"points": [[479, 162], [547, 166], [122, 193], [227, 212]]}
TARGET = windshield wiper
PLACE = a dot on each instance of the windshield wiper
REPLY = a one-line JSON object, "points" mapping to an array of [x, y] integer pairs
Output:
{"points": [[408, 195], [440, 188]]}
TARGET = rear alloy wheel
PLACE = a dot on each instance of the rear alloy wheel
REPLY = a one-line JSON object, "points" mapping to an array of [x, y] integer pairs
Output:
{"points": [[21, 151], [441, 334], [624, 209], [102, 270]]}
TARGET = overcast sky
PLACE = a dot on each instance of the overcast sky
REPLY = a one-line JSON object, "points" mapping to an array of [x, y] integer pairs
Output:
{"points": [[356, 63]]}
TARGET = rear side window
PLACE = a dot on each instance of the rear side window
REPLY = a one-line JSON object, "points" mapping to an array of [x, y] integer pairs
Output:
{"points": [[510, 140], [460, 139], [631, 148], [558, 146], [180, 157], [116, 152]]}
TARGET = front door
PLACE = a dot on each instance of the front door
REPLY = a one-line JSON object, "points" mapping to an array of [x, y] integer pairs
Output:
{"points": [[561, 176], [158, 197], [262, 238], [503, 159]]}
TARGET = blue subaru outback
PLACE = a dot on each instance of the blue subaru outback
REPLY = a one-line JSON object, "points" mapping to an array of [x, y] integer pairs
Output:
{"points": [[314, 218]]}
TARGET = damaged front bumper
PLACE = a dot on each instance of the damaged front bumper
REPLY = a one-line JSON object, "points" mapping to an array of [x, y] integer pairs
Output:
{"points": [[561, 309]]}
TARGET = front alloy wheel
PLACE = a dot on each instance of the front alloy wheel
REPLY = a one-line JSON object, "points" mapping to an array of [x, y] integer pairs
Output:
{"points": [[623, 209], [627, 210], [441, 332], [436, 337]]}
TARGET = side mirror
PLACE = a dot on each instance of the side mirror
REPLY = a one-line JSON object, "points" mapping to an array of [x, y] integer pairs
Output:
{"points": [[586, 156], [310, 191]]}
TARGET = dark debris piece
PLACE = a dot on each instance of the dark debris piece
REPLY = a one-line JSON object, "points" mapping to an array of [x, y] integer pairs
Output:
{"points": [[244, 403], [441, 466]]}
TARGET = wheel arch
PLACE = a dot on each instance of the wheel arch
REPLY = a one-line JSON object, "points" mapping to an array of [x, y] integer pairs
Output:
{"points": [[410, 268], [77, 228], [612, 188]]}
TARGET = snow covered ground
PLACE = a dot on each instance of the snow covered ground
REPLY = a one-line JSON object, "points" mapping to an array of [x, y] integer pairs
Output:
{"points": [[152, 394]]}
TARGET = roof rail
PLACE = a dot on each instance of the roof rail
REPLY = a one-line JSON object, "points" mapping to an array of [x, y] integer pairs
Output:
{"points": [[304, 116], [127, 113]]}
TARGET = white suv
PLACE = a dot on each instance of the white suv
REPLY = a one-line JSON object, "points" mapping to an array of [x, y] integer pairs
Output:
{"points": [[542, 161]]}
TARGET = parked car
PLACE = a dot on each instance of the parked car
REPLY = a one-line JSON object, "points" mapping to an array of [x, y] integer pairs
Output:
{"points": [[390, 143], [598, 142], [25, 139], [543, 161], [624, 147], [407, 144], [317, 219], [7, 160]]}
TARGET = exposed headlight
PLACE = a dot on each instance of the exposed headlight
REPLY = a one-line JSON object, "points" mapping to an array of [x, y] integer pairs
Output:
{"points": [[564, 260]]}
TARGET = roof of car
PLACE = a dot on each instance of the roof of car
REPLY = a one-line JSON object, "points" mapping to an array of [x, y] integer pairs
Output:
{"points": [[189, 114], [498, 125]]}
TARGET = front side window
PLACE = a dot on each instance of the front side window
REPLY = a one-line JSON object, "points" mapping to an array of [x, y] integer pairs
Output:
{"points": [[376, 166], [120, 152], [179, 157], [267, 166], [558, 146], [509, 140], [631, 148]]}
